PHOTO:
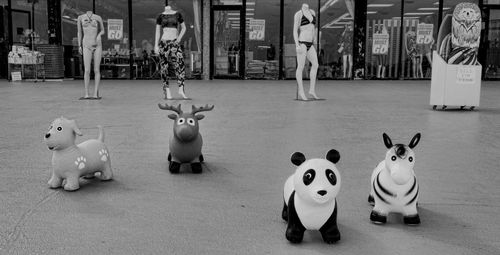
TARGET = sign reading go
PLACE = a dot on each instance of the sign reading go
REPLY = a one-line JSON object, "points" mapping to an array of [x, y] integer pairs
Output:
{"points": [[257, 29], [424, 33], [115, 29], [380, 44]]}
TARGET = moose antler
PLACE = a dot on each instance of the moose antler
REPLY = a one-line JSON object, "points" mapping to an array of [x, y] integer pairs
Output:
{"points": [[171, 108], [201, 109]]}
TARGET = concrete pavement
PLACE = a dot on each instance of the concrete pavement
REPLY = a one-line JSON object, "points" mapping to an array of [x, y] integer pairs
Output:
{"points": [[234, 206]]}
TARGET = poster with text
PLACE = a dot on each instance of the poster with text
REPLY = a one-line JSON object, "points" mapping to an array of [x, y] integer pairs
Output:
{"points": [[115, 29], [380, 44], [257, 29], [424, 33]]}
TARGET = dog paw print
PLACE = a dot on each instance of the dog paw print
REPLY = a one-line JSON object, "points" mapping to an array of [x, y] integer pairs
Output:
{"points": [[80, 162], [104, 155]]}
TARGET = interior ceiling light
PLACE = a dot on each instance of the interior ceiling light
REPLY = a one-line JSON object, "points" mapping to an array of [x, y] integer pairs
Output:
{"points": [[418, 13], [338, 21], [371, 12], [327, 5], [380, 5], [432, 8]]}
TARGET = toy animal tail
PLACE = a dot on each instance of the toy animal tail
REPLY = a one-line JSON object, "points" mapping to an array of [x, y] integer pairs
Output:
{"points": [[101, 133]]}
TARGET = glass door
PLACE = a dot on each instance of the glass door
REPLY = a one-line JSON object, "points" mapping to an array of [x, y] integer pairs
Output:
{"points": [[492, 44], [227, 42]]}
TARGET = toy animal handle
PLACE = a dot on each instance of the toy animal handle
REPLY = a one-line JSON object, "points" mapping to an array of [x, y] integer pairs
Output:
{"points": [[201, 109], [171, 108]]}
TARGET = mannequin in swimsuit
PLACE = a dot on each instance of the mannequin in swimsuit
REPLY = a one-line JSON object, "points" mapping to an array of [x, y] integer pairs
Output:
{"points": [[169, 49], [304, 34], [90, 45]]}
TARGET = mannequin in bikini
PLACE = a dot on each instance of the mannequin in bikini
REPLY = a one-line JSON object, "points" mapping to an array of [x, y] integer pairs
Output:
{"points": [[304, 34], [168, 47], [90, 45]]}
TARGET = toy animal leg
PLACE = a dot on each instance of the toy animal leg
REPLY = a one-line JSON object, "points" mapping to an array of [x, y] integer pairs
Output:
{"points": [[284, 212], [72, 183], [196, 167], [377, 217], [55, 181], [295, 230], [411, 220], [106, 173], [371, 200], [330, 231], [174, 167]]}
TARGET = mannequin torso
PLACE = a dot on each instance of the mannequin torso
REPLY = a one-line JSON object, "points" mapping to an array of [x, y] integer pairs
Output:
{"points": [[169, 21], [305, 20], [89, 23]]}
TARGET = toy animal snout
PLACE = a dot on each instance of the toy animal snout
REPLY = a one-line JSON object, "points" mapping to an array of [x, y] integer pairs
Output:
{"points": [[47, 135], [322, 192], [401, 175], [185, 133]]}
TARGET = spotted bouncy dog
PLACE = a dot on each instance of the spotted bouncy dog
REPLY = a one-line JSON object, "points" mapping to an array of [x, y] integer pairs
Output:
{"points": [[71, 161]]}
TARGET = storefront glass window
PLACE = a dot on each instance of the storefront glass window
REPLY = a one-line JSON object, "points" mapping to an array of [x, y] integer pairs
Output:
{"points": [[419, 37], [262, 39], [336, 39], [22, 18], [383, 39], [227, 2], [144, 25], [289, 54]]}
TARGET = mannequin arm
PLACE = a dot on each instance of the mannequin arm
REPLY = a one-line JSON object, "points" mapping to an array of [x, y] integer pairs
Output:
{"points": [[157, 38], [102, 27], [181, 34], [296, 24], [79, 33]]}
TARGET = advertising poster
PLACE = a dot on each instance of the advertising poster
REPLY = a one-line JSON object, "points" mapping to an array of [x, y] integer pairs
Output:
{"points": [[424, 33], [115, 29], [380, 44], [257, 29]]}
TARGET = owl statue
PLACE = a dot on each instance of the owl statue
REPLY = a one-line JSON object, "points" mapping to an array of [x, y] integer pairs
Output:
{"points": [[465, 34]]}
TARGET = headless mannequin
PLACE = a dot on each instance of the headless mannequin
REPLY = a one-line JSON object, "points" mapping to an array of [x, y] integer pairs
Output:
{"points": [[90, 46], [170, 34], [382, 58], [305, 39], [347, 53]]}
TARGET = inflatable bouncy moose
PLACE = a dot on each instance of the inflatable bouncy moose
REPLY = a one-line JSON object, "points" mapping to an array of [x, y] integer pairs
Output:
{"points": [[185, 145]]}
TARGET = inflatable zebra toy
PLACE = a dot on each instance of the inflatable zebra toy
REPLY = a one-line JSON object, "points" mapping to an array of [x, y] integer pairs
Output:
{"points": [[394, 187]]}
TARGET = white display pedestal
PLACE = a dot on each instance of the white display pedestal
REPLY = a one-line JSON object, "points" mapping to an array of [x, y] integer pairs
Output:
{"points": [[454, 85]]}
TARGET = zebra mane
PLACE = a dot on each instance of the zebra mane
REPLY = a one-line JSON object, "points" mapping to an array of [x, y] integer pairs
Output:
{"points": [[400, 150]]}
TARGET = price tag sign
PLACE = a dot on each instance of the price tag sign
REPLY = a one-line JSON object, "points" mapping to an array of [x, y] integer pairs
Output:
{"points": [[424, 33], [16, 76], [115, 29], [257, 29], [380, 44], [466, 75]]}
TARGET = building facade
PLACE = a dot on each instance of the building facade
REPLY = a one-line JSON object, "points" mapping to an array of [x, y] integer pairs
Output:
{"points": [[248, 39]]}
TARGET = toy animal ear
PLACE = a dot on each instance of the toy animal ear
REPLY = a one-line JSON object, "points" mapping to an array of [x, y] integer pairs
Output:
{"points": [[387, 141], [298, 158], [199, 116], [172, 116], [75, 128], [414, 141], [333, 156]]}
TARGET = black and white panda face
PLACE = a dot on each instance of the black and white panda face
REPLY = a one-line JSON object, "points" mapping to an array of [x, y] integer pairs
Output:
{"points": [[317, 180]]}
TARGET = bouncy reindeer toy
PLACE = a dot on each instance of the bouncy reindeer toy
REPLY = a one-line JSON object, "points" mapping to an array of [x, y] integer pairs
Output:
{"points": [[185, 145], [394, 187]]}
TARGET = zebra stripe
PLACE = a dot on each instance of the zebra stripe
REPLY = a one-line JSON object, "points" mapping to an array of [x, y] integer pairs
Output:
{"points": [[378, 195], [412, 187], [383, 188], [414, 198]]}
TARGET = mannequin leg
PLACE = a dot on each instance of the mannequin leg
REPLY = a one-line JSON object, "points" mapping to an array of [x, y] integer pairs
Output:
{"points": [[344, 65], [164, 69], [301, 60], [312, 56], [429, 58], [87, 61], [97, 70], [180, 68], [349, 74]]}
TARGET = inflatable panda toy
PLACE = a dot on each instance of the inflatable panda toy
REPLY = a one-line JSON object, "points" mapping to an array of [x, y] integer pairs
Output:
{"points": [[310, 197]]}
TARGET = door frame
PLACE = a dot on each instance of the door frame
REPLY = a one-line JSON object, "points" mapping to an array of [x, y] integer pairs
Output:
{"points": [[484, 46], [12, 23], [241, 63]]}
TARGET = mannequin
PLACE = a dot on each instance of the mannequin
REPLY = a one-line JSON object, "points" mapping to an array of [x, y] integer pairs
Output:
{"points": [[347, 51], [168, 47], [382, 57], [304, 34], [90, 46]]}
